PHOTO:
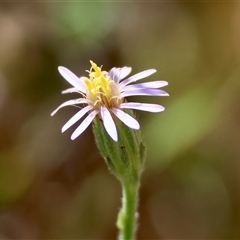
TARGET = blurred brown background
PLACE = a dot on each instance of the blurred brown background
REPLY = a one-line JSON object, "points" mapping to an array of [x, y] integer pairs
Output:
{"points": [[55, 188]]}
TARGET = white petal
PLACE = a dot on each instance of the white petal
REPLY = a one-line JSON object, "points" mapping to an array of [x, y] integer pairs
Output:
{"points": [[144, 92], [126, 118], [154, 84], [148, 107], [109, 123], [124, 72], [85, 123], [76, 117], [70, 90], [137, 77], [69, 103], [72, 78]]}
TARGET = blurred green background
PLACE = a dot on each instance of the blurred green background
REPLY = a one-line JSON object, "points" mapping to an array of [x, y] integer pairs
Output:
{"points": [[55, 188]]}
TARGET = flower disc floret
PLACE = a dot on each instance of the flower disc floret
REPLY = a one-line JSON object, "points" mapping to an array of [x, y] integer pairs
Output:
{"points": [[101, 90], [103, 95]]}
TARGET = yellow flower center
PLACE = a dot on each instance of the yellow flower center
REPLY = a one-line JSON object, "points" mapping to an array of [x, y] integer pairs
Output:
{"points": [[101, 90]]}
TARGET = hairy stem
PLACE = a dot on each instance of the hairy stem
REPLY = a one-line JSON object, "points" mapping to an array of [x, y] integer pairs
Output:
{"points": [[127, 218]]}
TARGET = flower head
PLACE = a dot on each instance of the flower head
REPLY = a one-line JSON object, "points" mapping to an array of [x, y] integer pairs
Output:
{"points": [[103, 95]]}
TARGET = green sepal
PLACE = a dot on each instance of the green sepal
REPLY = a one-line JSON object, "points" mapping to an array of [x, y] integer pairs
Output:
{"points": [[125, 158]]}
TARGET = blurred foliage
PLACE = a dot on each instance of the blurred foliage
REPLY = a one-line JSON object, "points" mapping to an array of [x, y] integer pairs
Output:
{"points": [[55, 188]]}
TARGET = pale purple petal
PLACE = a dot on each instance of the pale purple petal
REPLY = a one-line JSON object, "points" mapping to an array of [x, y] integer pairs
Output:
{"points": [[72, 78], [70, 90], [69, 103], [154, 84], [85, 123], [76, 117], [114, 74], [148, 107], [111, 72], [124, 71], [126, 118], [109, 123], [137, 77], [117, 74], [144, 92]]}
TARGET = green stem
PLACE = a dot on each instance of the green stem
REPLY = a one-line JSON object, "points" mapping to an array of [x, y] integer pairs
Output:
{"points": [[127, 218]]}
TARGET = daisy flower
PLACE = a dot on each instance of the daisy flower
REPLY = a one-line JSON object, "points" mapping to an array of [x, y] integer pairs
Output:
{"points": [[103, 95]]}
